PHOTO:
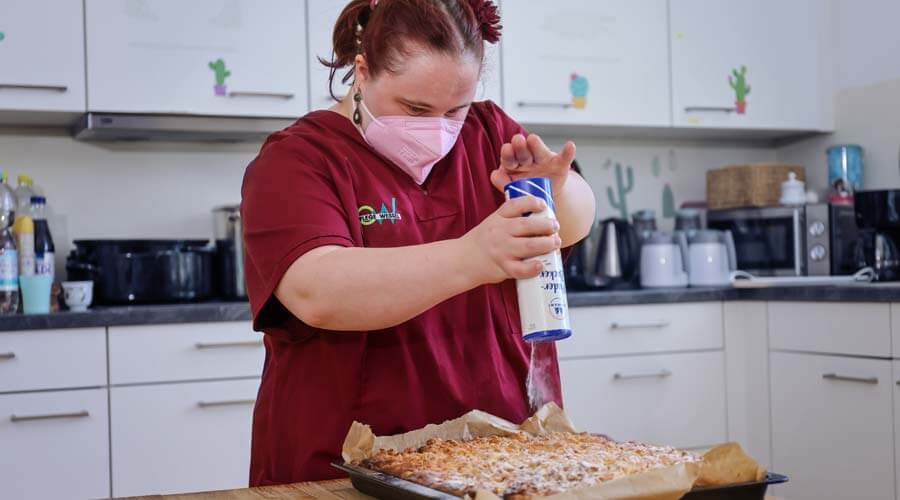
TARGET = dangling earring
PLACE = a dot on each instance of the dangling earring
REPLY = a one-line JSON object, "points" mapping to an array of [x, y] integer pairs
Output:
{"points": [[357, 98]]}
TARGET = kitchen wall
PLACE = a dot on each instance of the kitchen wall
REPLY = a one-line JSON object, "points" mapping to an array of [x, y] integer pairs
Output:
{"points": [[865, 45], [147, 190]]}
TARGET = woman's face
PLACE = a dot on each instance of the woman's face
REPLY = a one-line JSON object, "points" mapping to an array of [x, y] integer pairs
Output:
{"points": [[428, 84]]}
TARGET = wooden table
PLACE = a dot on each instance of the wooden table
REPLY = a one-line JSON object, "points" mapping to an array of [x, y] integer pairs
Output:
{"points": [[338, 489]]}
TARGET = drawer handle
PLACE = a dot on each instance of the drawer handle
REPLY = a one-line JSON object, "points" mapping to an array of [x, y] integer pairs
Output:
{"points": [[7, 355], [713, 109], [250, 93], [638, 326], [26, 86], [847, 378], [229, 402], [625, 376], [49, 416], [241, 343], [527, 104]]}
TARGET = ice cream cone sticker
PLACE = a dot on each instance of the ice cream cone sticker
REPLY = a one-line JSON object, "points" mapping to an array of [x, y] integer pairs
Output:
{"points": [[738, 82], [578, 85], [218, 67]]}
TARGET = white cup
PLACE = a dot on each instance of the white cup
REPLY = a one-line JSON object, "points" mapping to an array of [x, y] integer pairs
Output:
{"points": [[78, 294]]}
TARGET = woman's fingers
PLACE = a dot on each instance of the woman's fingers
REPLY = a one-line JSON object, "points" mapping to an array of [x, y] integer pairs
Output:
{"points": [[535, 226], [567, 155], [539, 150], [508, 157], [521, 151], [518, 207], [534, 246]]}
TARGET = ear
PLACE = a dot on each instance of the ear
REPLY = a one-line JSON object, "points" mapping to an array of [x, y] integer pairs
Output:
{"points": [[361, 69]]}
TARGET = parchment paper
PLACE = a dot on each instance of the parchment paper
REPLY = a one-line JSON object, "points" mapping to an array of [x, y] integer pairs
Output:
{"points": [[724, 464]]}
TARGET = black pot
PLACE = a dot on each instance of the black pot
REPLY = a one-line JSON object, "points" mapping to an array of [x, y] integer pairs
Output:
{"points": [[143, 271]]}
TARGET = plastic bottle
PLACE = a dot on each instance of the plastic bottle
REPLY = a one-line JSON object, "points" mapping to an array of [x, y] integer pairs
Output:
{"points": [[9, 263], [543, 308], [24, 192], [44, 251], [7, 202], [23, 230]]}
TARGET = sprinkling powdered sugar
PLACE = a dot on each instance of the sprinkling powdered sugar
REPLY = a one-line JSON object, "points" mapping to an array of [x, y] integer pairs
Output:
{"points": [[538, 383]]}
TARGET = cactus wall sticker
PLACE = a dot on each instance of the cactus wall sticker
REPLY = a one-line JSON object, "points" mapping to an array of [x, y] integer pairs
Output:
{"points": [[738, 81], [2, 36], [624, 185], [668, 202], [578, 86], [655, 166], [218, 67]]}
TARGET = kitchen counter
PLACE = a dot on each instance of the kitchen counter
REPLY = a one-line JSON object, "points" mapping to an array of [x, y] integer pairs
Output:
{"points": [[339, 489], [240, 311]]}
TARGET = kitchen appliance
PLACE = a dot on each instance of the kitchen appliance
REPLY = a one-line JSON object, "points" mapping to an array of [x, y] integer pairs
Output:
{"points": [[582, 261], [229, 261], [143, 271], [617, 255], [878, 218], [644, 223], [711, 258], [688, 219], [157, 127], [663, 260], [845, 167], [813, 240]]}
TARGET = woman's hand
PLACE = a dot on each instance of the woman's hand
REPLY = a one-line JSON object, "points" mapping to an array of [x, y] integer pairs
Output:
{"points": [[498, 248], [530, 157]]}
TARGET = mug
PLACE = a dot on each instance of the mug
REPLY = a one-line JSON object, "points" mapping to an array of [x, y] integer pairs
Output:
{"points": [[78, 294], [36, 293]]}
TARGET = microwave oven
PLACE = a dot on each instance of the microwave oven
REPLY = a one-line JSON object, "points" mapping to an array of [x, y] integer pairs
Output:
{"points": [[811, 240]]}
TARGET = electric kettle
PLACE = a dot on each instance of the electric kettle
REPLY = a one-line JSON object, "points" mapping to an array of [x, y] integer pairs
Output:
{"points": [[663, 260], [617, 255], [711, 258]]}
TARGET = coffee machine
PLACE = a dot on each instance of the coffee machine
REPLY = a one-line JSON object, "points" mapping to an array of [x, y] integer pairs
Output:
{"points": [[229, 264], [878, 219]]}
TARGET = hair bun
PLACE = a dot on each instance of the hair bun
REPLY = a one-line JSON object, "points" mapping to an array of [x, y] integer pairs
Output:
{"points": [[489, 19]]}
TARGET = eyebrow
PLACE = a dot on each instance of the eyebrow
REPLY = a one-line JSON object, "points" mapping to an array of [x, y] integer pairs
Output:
{"points": [[426, 106]]}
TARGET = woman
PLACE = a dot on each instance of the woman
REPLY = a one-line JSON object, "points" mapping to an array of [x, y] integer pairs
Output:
{"points": [[380, 252]]}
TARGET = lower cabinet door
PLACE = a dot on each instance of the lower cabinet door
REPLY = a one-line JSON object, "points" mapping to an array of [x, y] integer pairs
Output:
{"points": [[832, 427], [174, 438], [671, 399], [54, 445]]}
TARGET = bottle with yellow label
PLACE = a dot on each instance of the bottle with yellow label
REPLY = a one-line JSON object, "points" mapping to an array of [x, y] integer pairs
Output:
{"points": [[23, 228]]}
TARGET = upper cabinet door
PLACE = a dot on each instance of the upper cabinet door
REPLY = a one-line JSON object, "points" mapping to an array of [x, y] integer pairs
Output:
{"points": [[740, 65], [42, 56], [208, 57], [603, 62], [322, 16]]}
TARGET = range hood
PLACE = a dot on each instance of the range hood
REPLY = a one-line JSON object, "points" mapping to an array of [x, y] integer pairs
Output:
{"points": [[182, 128]]}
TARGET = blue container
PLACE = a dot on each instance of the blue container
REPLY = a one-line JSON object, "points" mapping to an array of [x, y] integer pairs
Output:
{"points": [[845, 163], [543, 305]]}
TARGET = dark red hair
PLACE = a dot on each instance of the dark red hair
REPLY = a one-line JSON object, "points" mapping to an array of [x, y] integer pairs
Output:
{"points": [[385, 31]]}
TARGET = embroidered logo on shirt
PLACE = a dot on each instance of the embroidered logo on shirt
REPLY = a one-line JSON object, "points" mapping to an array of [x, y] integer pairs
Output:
{"points": [[368, 215]]}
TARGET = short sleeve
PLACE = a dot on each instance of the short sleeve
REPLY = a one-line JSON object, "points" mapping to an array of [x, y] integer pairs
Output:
{"points": [[290, 204]]}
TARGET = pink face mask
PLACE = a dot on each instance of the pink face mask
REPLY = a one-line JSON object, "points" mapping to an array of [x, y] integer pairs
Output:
{"points": [[413, 143]]}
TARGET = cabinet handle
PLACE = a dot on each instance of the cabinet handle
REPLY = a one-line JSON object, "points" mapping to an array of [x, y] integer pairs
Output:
{"points": [[636, 326], [526, 104], [250, 93], [7, 355], [230, 402], [711, 109], [847, 378], [625, 376], [242, 343], [26, 86], [49, 416]]}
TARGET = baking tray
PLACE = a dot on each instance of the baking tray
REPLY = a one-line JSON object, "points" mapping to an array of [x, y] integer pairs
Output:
{"points": [[387, 487]]}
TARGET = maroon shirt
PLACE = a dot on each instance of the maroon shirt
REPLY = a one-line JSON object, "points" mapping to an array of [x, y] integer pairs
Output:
{"points": [[318, 183]]}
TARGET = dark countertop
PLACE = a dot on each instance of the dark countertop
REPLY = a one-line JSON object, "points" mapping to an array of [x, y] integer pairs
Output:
{"points": [[240, 311]]}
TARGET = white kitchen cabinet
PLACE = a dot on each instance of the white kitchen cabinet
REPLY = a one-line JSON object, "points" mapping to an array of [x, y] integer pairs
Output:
{"points": [[42, 57], [778, 50], [637, 329], [52, 359], [184, 351], [832, 426], [320, 23], [862, 329], [175, 438], [207, 57], [672, 399], [572, 62], [54, 445]]}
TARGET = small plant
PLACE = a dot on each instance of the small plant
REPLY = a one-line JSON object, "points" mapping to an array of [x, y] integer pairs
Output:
{"points": [[668, 202], [578, 86], [738, 82], [624, 185]]}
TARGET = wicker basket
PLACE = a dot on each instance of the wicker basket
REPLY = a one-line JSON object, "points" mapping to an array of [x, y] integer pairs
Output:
{"points": [[754, 185]]}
